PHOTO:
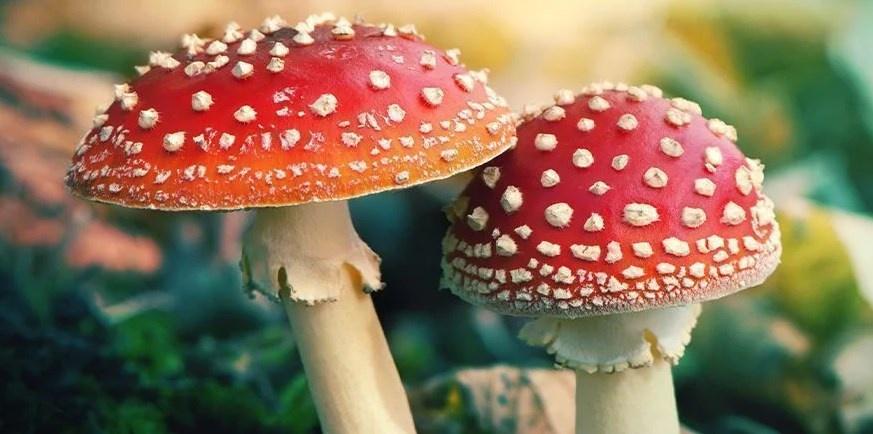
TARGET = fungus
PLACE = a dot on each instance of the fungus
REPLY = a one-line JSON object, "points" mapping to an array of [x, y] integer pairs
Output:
{"points": [[675, 217], [271, 134]]}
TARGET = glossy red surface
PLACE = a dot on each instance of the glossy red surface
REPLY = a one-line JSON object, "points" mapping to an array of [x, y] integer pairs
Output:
{"points": [[379, 153]]}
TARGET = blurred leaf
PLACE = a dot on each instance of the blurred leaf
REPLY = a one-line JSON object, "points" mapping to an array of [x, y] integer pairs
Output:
{"points": [[296, 412], [815, 285], [148, 341], [77, 50], [133, 417]]}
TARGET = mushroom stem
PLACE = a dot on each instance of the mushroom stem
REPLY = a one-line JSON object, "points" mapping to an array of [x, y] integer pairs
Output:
{"points": [[353, 380], [630, 401], [622, 363], [313, 258]]}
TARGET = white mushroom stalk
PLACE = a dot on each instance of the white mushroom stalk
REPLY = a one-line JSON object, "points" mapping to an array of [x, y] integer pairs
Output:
{"points": [[312, 256], [622, 364]]}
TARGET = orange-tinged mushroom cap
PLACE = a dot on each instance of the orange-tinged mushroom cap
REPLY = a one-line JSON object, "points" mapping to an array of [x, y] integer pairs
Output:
{"points": [[324, 110]]}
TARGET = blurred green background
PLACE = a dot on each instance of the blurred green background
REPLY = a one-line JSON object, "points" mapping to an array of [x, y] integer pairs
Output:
{"points": [[120, 321]]}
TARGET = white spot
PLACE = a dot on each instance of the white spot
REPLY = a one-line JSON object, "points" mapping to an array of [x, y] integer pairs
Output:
{"points": [[490, 176], [454, 56], [174, 141], [743, 178], [396, 113], [613, 252], [129, 100], [549, 249], [449, 154], [232, 33], [677, 117], [245, 114], [545, 142], [627, 122], [554, 114], [598, 104], [676, 247], [632, 272], [289, 138], [242, 69], [697, 269], [343, 31], [505, 246], [428, 59], [686, 105], [671, 147], [256, 35], [523, 231], [303, 38], [619, 162], [585, 253], [272, 24], [713, 156], [594, 223], [559, 214], [379, 80], [640, 214], [564, 97], [195, 68], [477, 219], [279, 50], [549, 178], [704, 187], [637, 94], [217, 63], [401, 177], [511, 199], [201, 101], [246, 47], [751, 244], [433, 96], [642, 249], [465, 82], [163, 59], [718, 127], [226, 140], [599, 188], [655, 178], [693, 217], [351, 139], [582, 158], [665, 268], [324, 105], [585, 125], [276, 65], [733, 214], [216, 47], [106, 133], [148, 118]]}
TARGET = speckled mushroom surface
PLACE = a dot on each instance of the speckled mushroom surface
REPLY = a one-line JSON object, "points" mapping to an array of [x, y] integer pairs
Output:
{"points": [[322, 110], [614, 200]]}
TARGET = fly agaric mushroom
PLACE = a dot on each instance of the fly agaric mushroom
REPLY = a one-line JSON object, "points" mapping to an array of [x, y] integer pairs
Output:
{"points": [[293, 121], [618, 212]]}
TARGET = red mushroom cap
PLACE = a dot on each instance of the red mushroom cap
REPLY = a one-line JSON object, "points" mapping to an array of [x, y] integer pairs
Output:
{"points": [[323, 110], [614, 200]]}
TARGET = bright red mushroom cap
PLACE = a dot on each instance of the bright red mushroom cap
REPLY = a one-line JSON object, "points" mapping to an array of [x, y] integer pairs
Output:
{"points": [[614, 200], [280, 115]]}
